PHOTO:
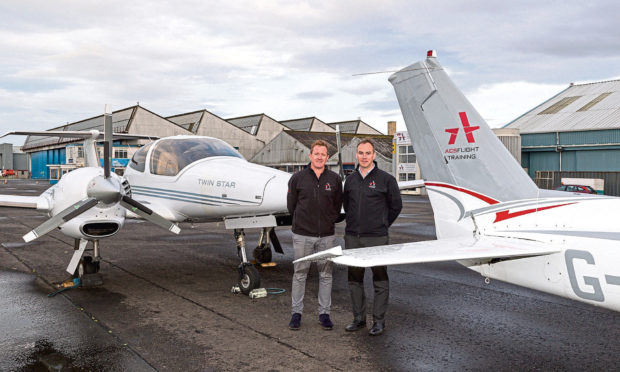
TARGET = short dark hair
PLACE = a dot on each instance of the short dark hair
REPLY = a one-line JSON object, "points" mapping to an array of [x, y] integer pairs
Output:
{"points": [[319, 143], [367, 140]]}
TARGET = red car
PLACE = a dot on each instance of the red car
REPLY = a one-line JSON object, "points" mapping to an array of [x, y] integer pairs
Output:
{"points": [[577, 188], [8, 172]]}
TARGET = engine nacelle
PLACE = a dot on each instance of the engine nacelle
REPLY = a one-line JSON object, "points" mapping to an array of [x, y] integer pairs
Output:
{"points": [[96, 223]]}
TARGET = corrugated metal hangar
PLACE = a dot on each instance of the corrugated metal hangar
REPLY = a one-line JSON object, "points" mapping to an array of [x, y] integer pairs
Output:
{"points": [[51, 157], [575, 134]]}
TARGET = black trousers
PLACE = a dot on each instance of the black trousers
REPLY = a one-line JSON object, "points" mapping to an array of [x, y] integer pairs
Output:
{"points": [[380, 280]]}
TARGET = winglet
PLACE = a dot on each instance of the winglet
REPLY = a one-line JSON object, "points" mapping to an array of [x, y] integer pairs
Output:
{"points": [[323, 255], [175, 228]]}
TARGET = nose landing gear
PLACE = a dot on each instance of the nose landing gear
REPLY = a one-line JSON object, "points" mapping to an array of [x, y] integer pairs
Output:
{"points": [[249, 278]]}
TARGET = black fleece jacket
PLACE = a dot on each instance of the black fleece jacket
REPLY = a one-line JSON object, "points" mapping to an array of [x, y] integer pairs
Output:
{"points": [[314, 203], [371, 203]]}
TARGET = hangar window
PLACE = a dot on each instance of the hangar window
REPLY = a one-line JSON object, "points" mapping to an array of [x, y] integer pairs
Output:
{"points": [[139, 158], [559, 105], [598, 99], [170, 156]]}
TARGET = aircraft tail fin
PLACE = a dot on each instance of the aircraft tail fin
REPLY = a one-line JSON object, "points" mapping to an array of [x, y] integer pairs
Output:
{"points": [[463, 163]]}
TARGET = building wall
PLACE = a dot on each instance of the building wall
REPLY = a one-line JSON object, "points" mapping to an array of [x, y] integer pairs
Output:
{"points": [[213, 126], [366, 129], [282, 150], [319, 126], [145, 122], [6, 156], [596, 150], [40, 160], [268, 130]]}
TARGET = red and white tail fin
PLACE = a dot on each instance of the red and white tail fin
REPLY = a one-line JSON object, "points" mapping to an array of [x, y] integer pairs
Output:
{"points": [[464, 164]]}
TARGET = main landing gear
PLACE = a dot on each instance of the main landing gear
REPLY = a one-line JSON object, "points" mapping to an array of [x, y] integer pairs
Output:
{"points": [[249, 278]]}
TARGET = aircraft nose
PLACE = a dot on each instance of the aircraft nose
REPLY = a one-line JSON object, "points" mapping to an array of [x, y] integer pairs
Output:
{"points": [[276, 189]]}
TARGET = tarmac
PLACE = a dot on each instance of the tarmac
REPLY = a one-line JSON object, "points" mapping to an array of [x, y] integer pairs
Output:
{"points": [[166, 304]]}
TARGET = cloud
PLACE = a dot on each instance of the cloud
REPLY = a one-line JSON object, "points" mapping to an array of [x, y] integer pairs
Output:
{"points": [[62, 61]]}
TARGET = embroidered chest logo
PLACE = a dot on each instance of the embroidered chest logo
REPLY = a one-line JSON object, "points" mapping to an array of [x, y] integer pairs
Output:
{"points": [[328, 187], [372, 185]]}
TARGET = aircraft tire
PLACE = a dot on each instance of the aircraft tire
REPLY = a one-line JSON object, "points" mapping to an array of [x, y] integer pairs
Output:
{"points": [[249, 280], [87, 266], [262, 254]]}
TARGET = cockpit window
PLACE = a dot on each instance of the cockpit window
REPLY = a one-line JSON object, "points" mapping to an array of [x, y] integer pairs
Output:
{"points": [[139, 158], [171, 155]]}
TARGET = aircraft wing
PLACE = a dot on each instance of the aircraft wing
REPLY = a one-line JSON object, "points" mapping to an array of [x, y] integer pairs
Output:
{"points": [[17, 201], [405, 185], [483, 248]]}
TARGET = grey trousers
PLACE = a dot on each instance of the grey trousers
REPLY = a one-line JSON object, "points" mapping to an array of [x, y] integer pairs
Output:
{"points": [[380, 281], [303, 246]]}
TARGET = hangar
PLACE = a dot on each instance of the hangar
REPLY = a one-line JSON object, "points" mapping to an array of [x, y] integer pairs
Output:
{"points": [[575, 134], [289, 150], [51, 157]]}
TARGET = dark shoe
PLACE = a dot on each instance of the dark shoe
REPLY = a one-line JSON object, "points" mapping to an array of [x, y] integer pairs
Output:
{"points": [[377, 329], [326, 323], [295, 322], [355, 325]]}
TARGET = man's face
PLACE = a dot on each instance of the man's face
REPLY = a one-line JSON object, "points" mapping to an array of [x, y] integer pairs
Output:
{"points": [[365, 155], [318, 157]]}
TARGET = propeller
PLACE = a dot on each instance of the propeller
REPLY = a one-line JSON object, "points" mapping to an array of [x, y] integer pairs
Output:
{"points": [[104, 191]]}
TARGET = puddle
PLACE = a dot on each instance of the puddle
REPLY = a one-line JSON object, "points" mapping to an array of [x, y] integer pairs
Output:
{"points": [[44, 357]]}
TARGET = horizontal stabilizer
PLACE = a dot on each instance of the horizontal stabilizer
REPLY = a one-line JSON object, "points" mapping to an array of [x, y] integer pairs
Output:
{"points": [[406, 185], [480, 248]]}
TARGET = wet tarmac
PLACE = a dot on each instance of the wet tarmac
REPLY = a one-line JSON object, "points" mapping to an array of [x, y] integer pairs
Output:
{"points": [[166, 305]]}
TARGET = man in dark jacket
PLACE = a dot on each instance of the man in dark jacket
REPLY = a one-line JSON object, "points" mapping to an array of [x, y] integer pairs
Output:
{"points": [[371, 202], [314, 200]]}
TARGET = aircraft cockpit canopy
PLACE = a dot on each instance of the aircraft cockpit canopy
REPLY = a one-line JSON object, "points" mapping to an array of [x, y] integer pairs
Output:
{"points": [[170, 156]]}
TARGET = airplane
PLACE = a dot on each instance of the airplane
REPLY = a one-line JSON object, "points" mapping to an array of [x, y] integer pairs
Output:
{"points": [[188, 178], [87, 204], [204, 179], [489, 214]]}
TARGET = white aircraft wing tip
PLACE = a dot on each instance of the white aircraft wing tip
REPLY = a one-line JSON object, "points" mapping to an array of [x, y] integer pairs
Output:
{"points": [[175, 229], [323, 255], [29, 237]]}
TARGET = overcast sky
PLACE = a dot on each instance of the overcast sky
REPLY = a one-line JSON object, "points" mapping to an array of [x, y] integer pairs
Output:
{"points": [[62, 61]]}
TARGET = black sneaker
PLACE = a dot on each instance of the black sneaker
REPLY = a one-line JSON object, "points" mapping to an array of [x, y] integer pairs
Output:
{"points": [[295, 322], [326, 323]]}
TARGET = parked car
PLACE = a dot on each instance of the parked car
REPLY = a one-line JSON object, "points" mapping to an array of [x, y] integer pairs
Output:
{"points": [[577, 188], [8, 172]]}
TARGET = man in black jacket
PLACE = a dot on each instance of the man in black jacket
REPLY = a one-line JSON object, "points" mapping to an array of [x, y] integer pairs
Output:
{"points": [[371, 202], [314, 200]]}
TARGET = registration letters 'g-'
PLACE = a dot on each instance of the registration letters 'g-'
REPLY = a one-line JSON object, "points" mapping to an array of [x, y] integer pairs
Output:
{"points": [[570, 256]]}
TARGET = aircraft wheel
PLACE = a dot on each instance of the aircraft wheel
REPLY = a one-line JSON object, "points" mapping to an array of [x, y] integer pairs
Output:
{"points": [[87, 266], [262, 254], [249, 280]]}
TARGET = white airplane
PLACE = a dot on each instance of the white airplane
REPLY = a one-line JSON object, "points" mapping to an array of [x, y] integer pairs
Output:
{"points": [[175, 179], [88, 203], [202, 179], [489, 215]]}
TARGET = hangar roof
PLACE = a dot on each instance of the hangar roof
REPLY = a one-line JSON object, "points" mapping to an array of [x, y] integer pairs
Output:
{"points": [[249, 124], [304, 124], [579, 107], [383, 144], [355, 126], [121, 122], [189, 120]]}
